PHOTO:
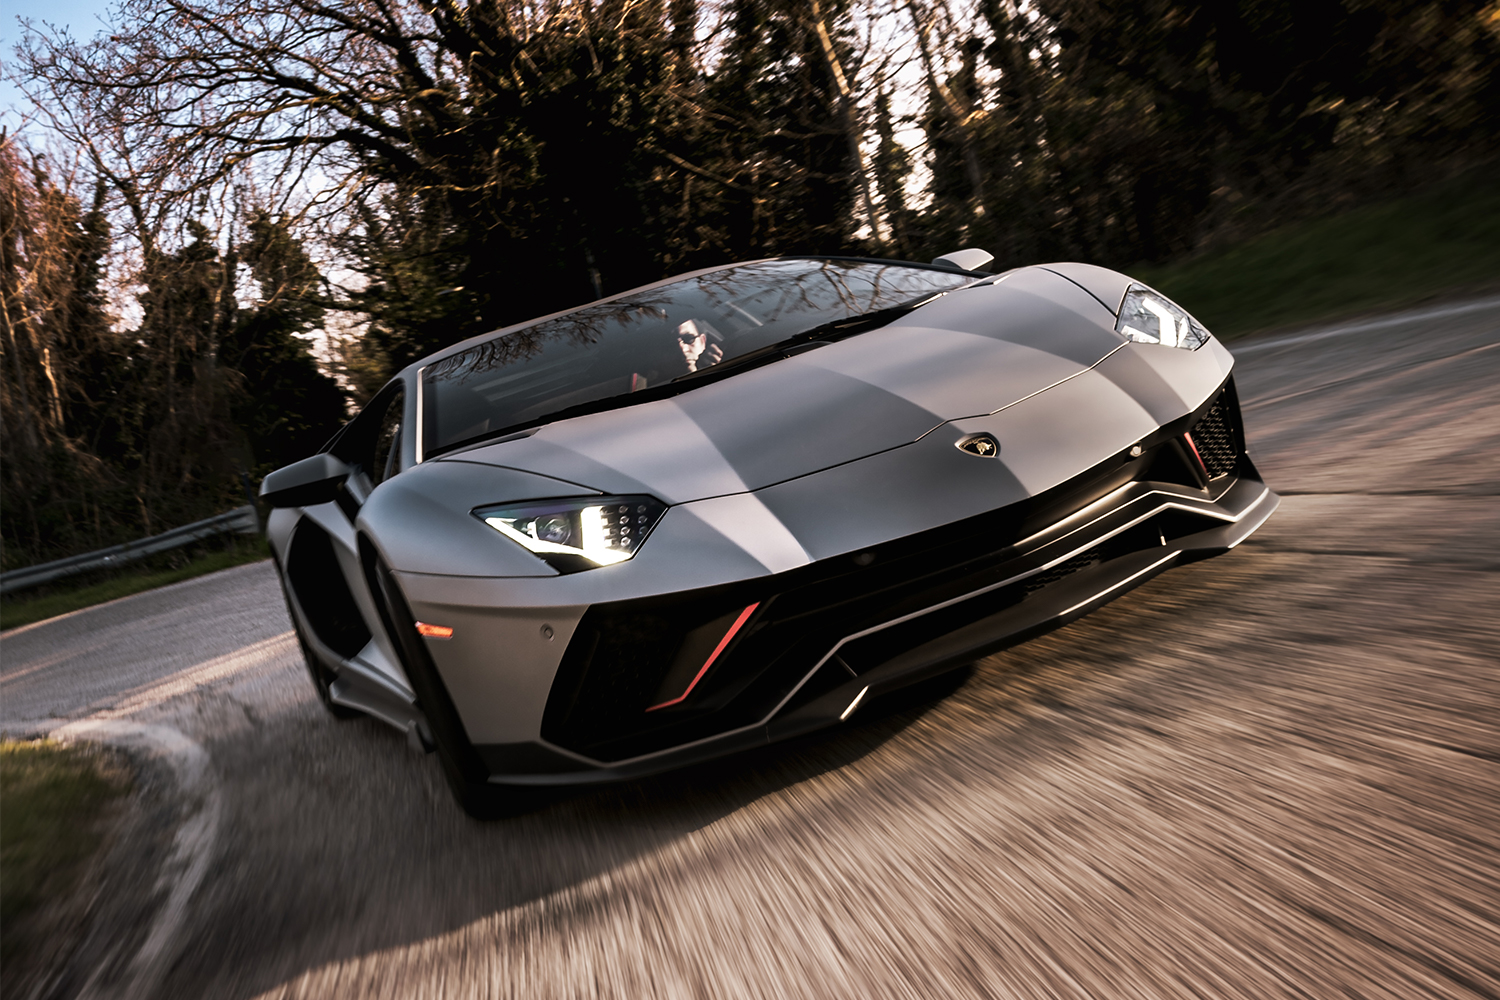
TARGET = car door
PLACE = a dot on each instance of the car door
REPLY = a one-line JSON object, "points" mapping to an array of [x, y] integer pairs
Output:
{"points": [[375, 446]]}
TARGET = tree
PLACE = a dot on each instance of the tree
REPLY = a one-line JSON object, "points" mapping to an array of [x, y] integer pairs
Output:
{"points": [[285, 406], [58, 361], [493, 160], [1142, 129]]}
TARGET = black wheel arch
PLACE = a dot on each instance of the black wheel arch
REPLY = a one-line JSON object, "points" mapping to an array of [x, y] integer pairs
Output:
{"points": [[467, 773]]}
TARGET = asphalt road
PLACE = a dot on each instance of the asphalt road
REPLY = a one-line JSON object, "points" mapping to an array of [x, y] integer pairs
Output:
{"points": [[1272, 774]]}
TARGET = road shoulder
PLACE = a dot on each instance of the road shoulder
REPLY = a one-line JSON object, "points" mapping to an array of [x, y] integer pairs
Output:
{"points": [[115, 935]]}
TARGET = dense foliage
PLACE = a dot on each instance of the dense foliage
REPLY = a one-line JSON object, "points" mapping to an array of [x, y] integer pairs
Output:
{"points": [[228, 178], [114, 434]]}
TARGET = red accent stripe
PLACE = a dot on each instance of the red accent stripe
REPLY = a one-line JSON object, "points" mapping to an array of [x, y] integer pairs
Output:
{"points": [[1201, 464], [738, 624]]}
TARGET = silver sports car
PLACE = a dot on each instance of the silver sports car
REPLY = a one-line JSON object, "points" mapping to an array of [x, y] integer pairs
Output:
{"points": [[732, 506]]}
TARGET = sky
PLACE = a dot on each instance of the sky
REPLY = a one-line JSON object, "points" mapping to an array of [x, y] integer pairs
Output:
{"points": [[82, 17]]}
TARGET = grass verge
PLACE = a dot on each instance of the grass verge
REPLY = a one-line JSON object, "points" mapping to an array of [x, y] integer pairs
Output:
{"points": [[60, 598], [54, 803], [1436, 243]]}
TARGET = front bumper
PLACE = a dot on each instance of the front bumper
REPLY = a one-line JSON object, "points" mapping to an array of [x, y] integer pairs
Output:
{"points": [[633, 687], [809, 664], [819, 639]]}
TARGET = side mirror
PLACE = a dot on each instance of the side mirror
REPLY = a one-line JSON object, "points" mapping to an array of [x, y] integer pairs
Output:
{"points": [[972, 259], [311, 481]]}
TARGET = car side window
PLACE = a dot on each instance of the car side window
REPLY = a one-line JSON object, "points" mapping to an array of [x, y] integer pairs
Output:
{"points": [[386, 460]]}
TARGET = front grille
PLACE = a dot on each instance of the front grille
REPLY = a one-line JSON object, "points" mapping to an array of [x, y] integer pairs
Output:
{"points": [[614, 667], [1216, 438], [866, 653], [1047, 578]]}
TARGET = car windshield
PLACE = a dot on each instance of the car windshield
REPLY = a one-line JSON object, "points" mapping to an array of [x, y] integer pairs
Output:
{"points": [[645, 340]]}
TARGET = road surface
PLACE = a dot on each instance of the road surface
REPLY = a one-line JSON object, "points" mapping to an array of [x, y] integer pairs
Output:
{"points": [[1272, 774]]}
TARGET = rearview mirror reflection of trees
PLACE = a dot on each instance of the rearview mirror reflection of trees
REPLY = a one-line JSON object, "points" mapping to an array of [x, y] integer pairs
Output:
{"points": [[229, 175]]}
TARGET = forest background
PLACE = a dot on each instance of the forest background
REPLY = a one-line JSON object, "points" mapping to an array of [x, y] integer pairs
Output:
{"points": [[227, 222]]}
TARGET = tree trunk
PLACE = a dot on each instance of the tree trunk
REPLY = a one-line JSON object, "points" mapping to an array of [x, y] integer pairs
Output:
{"points": [[850, 121], [958, 115]]}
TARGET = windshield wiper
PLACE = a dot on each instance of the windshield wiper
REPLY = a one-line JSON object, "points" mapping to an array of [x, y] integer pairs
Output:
{"points": [[850, 325], [771, 352]]}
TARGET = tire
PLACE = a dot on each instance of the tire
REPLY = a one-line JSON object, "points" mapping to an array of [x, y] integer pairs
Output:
{"points": [[466, 773]]}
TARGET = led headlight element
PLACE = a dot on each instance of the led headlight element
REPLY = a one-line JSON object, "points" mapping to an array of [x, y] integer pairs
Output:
{"points": [[1149, 317], [577, 533]]}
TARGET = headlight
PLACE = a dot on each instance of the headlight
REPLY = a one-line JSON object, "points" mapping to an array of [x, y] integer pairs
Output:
{"points": [[578, 532], [1149, 317]]}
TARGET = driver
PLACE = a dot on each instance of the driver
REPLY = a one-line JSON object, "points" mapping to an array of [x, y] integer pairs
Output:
{"points": [[699, 343], [697, 347]]}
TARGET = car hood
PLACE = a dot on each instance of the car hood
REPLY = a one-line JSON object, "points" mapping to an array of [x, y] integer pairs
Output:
{"points": [[969, 353]]}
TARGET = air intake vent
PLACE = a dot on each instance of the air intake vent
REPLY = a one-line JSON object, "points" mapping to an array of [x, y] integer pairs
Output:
{"points": [[313, 571], [1047, 578], [1216, 441]]}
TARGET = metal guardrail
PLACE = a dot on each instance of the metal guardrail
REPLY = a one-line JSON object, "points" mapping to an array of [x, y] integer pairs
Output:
{"points": [[243, 520]]}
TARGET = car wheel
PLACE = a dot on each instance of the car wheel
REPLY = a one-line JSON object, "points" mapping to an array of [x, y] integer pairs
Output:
{"points": [[467, 775]]}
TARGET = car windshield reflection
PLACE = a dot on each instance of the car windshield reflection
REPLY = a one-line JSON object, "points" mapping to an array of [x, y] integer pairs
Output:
{"points": [[610, 350]]}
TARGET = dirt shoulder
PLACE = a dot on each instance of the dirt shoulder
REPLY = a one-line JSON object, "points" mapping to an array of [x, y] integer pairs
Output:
{"points": [[86, 828]]}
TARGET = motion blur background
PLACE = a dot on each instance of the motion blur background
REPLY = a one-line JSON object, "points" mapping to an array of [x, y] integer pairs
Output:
{"points": [[224, 223]]}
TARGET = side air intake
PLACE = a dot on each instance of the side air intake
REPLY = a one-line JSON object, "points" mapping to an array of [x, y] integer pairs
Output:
{"points": [[312, 570]]}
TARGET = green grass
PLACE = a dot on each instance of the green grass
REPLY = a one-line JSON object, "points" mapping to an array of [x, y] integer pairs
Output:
{"points": [[52, 801], [1439, 242], [63, 596]]}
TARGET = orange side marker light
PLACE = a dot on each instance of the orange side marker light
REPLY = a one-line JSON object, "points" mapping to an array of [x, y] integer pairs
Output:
{"points": [[434, 631]]}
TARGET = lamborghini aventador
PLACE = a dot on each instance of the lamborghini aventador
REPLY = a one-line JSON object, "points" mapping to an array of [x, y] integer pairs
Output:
{"points": [[733, 506]]}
